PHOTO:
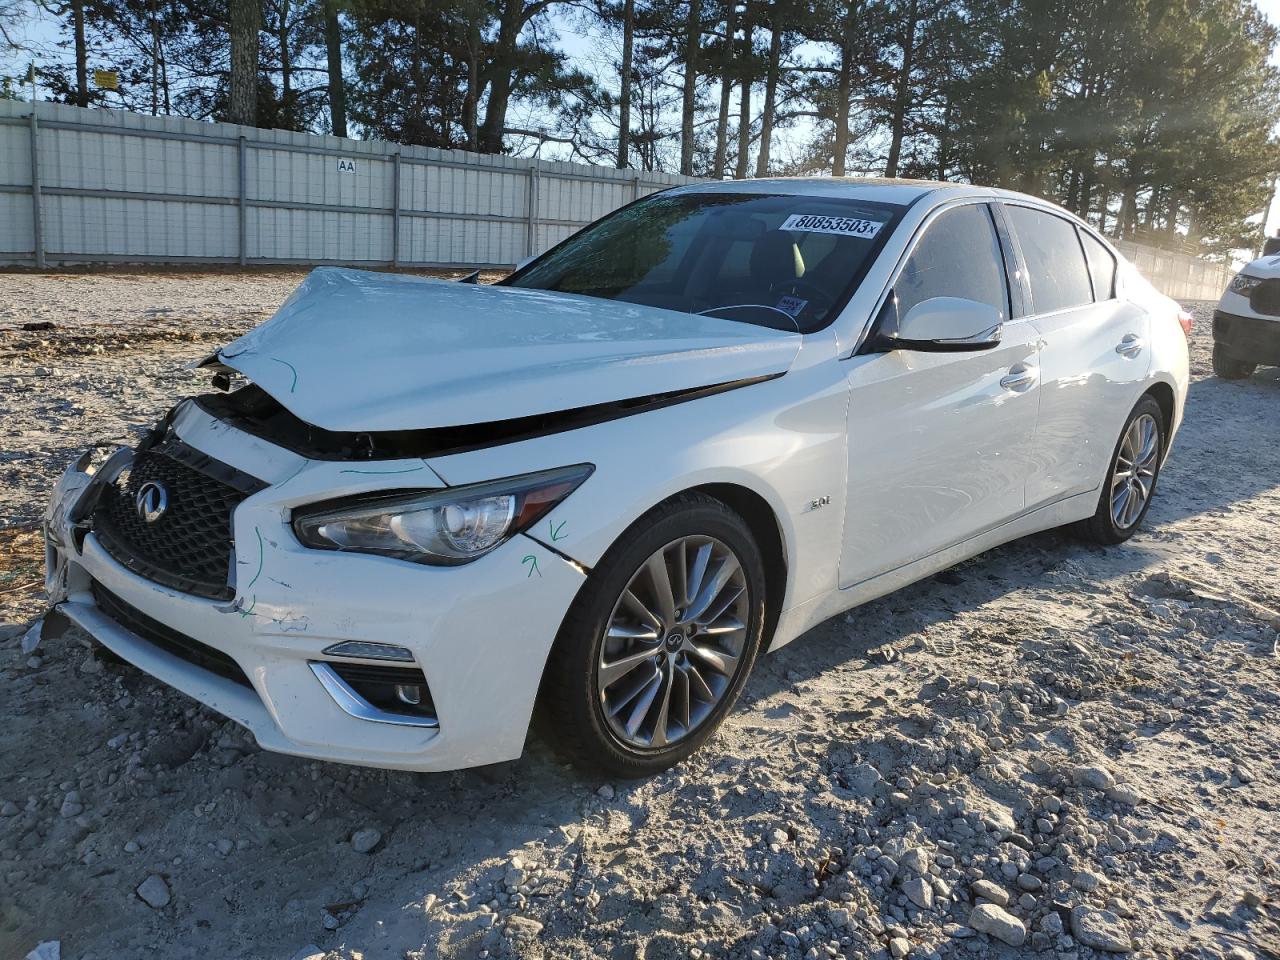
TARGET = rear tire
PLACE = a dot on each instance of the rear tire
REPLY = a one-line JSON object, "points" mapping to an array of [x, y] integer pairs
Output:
{"points": [[641, 677], [1131, 479], [1229, 368]]}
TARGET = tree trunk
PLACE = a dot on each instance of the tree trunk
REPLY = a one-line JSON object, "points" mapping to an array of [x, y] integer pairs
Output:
{"points": [[692, 42], [286, 64], [155, 60], [902, 93], [744, 97], [500, 68], [844, 90], [246, 22], [770, 92], [333, 51], [82, 54], [471, 102], [624, 83], [726, 90]]}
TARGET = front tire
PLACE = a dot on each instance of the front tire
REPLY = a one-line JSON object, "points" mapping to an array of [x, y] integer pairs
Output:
{"points": [[1131, 481], [659, 641], [1227, 367]]}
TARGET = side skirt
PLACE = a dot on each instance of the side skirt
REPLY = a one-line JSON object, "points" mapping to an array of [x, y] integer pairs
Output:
{"points": [[800, 618]]}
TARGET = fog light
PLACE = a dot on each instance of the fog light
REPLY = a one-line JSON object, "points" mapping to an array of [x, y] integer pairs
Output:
{"points": [[369, 651]]}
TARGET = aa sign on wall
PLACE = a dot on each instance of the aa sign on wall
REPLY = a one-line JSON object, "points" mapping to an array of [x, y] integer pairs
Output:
{"points": [[346, 166]]}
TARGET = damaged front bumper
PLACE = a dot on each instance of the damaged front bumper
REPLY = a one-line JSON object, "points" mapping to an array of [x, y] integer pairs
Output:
{"points": [[479, 633]]}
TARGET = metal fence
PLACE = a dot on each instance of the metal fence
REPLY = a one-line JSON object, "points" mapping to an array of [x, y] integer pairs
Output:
{"points": [[1175, 274], [100, 186]]}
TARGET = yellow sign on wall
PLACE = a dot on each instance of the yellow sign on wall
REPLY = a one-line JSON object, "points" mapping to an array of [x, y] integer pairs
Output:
{"points": [[106, 79]]}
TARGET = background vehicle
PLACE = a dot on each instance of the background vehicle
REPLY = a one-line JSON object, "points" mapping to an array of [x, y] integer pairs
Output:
{"points": [[1246, 325], [687, 434]]}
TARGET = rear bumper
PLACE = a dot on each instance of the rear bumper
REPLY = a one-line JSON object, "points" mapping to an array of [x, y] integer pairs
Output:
{"points": [[1251, 339], [480, 633]]}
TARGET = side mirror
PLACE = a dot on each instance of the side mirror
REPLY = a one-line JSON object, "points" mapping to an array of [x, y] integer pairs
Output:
{"points": [[946, 325]]}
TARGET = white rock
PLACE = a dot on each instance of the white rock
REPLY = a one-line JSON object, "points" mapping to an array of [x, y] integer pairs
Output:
{"points": [[308, 952], [46, 950], [1124, 793], [988, 890], [839, 917], [899, 947], [365, 839], [919, 892], [1099, 778], [992, 920], [916, 859], [607, 792], [1100, 929], [154, 892], [863, 778], [31, 639]]}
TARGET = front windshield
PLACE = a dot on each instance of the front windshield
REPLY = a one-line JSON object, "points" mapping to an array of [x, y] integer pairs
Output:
{"points": [[780, 260]]}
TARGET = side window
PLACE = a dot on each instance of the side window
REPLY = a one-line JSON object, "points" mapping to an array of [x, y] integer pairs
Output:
{"points": [[1102, 267], [958, 256], [1055, 261]]}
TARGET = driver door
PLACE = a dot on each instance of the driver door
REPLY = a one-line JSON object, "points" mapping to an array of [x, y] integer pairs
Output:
{"points": [[940, 444]]}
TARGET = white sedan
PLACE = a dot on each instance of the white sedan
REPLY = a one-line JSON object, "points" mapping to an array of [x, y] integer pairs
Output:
{"points": [[411, 511]]}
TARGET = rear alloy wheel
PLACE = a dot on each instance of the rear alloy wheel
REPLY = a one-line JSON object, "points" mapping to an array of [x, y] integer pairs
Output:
{"points": [[1227, 367], [659, 642], [1131, 482]]}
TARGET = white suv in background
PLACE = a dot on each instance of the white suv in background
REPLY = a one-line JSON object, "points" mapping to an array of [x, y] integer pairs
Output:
{"points": [[412, 510], [1246, 325]]}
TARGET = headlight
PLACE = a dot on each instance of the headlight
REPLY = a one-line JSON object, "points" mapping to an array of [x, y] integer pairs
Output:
{"points": [[451, 526], [1243, 284]]}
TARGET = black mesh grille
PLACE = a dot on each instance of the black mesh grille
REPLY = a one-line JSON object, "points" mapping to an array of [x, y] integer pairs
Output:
{"points": [[1266, 298], [166, 638], [189, 546]]}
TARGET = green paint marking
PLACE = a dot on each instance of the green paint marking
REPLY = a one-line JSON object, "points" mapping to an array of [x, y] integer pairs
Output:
{"points": [[555, 530], [260, 559], [292, 369], [253, 602], [533, 564], [384, 473]]}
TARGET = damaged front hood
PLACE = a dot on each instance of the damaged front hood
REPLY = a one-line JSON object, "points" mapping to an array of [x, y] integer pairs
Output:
{"points": [[357, 351]]}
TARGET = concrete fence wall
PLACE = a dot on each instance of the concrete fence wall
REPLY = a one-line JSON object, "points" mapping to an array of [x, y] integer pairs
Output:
{"points": [[97, 186]]}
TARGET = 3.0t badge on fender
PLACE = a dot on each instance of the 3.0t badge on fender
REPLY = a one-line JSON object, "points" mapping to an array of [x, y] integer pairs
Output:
{"points": [[152, 501]]}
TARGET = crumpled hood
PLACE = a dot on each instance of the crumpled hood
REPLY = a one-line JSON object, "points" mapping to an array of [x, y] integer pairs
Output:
{"points": [[357, 351]]}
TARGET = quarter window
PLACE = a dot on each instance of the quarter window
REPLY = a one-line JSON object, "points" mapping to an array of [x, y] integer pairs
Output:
{"points": [[1102, 267], [1055, 261], [958, 256]]}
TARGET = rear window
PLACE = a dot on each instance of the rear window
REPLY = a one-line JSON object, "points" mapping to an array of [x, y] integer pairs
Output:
{"points": [[1102, 267], [1056, 266]]}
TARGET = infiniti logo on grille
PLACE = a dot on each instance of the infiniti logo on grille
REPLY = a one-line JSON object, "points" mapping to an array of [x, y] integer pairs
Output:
{"points": [[152, 501]]}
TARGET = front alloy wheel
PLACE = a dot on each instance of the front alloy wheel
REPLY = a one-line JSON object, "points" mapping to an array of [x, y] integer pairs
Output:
{"points": [[659, 641], [673, 643]]}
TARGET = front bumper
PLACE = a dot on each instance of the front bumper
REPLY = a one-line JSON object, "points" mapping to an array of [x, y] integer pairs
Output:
{"points": [[1251, 339], [480, 632]]}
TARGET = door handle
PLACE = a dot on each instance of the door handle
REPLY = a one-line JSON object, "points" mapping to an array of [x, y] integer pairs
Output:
{"points": [[1020, 378], [1130, 346]]}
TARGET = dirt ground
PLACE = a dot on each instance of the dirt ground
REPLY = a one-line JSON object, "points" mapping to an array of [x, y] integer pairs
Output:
{"points": [[1053, 750]]}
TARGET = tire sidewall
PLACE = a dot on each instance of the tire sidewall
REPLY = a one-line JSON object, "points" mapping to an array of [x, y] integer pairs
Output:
{"points": [[1146, 405], [583, 633]]}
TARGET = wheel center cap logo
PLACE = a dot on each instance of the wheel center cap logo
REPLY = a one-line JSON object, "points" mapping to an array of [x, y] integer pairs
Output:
{"points": [[674, 640], [151, 502]]}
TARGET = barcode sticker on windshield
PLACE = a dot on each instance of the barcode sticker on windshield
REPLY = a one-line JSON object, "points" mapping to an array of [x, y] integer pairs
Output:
{"points": [[841, 226]]}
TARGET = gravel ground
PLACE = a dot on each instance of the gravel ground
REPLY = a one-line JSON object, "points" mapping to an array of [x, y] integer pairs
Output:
{"points": [[1053, 750]]}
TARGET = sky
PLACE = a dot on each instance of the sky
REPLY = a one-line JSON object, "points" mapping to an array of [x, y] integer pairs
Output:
{"points": [[40, 33]]}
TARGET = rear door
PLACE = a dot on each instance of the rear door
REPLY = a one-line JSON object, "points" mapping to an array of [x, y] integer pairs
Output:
{"points": [[1093, 351], [940, 444]]}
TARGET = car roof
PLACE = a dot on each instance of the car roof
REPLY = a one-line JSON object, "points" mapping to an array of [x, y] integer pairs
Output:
{"points": [[861, 188]]}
